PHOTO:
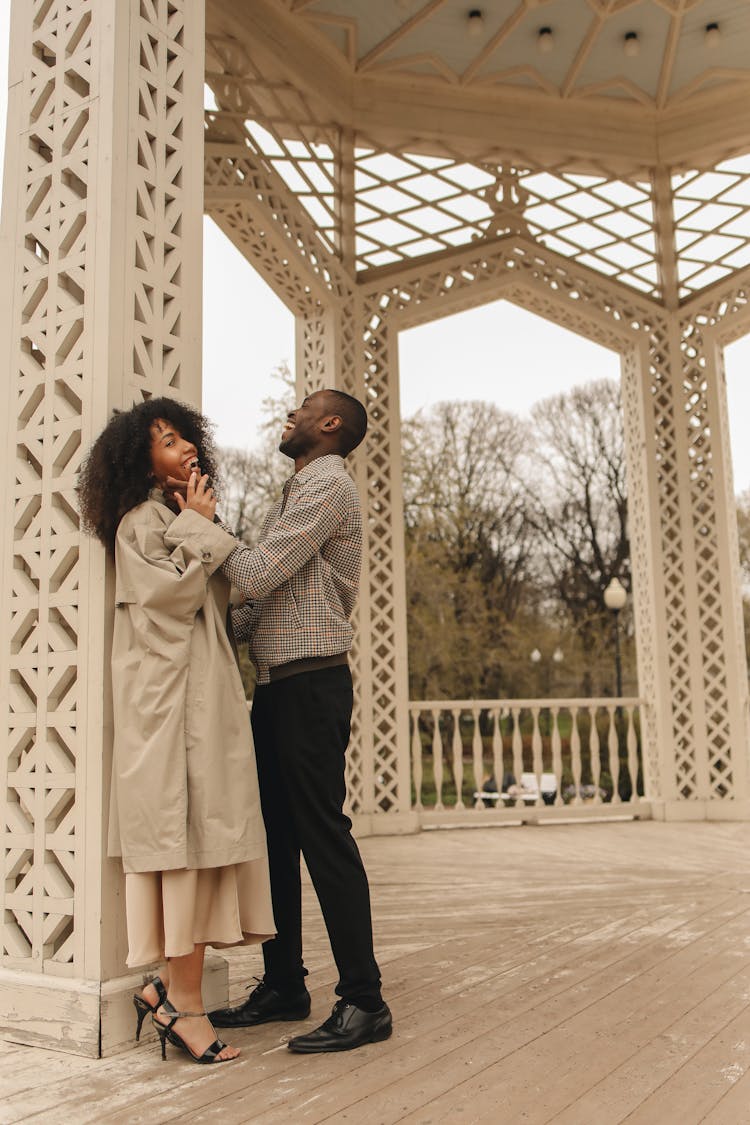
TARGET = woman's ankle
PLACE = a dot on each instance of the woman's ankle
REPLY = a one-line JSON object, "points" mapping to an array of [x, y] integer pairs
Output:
{"points": [[186, 1001]]}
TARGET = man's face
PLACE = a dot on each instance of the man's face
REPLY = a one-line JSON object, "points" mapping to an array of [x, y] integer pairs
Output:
{"points": [[302, 428]]}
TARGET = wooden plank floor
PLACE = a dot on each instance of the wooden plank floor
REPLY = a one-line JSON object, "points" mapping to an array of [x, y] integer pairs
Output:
{"points": [[576, 974]]}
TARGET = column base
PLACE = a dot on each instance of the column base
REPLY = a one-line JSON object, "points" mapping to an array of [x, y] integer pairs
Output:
{"points": [[700, 810], [90, 1018]]}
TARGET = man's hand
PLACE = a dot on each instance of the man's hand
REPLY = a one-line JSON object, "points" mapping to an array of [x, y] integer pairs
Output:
{"points": [[200, 498]]}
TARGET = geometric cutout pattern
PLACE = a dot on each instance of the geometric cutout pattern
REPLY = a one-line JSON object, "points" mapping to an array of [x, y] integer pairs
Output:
{"points": [[410, 205], [712, 223], [728, 310], [517, 271], [406, 205], [41, 594], [55, 262], [156, 273], [280, 124]]}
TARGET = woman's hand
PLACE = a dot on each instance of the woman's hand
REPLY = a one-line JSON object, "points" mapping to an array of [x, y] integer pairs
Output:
{"points": [[199, 498]]}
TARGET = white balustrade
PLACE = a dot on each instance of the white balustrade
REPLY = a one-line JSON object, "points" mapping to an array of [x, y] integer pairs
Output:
{"points": [[510, 754]]}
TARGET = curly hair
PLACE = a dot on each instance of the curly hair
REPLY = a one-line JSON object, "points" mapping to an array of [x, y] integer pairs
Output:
{"points": [[116, 474]]}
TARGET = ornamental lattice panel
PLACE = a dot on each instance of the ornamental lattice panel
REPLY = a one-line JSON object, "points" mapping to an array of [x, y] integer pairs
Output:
{"points": [[53, 376], [43, 582], [158, 156], [712, 222], [410, 205], [679, 437], [726, 311], [276, 120]]}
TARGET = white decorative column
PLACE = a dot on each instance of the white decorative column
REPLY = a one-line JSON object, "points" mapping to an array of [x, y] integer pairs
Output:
{"points": [[701, 771], [715, 775], [702, 697], [101, 250]]}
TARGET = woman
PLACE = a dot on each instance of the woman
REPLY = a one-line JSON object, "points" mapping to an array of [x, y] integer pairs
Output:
{"points": [[185, 814]]}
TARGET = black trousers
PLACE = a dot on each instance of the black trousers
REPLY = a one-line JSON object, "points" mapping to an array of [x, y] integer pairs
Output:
{"points": [[301, 730]]}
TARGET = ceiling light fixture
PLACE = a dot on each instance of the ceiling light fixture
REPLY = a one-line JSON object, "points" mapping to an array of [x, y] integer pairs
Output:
{"points": [[712, 37], [475, 22], [545, 41], [631, 44]]}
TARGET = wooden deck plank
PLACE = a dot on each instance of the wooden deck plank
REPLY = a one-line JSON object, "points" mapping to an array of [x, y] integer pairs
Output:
{"points": [[430, 1030], [700, 1084], [558, 970], [449, 960], [547, 1035], [415, 978], [732, 1108], [537, 1082], [23, 1073]]}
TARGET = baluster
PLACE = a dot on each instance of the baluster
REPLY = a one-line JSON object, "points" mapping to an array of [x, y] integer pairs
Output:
{"points": [[517, 743], [632, 745], [416, 760], [536, 752], [613, 748], [437, 760], [575, 755], [498, 768], [458, 760], [594, 751], [476, 753], [557, 753]]}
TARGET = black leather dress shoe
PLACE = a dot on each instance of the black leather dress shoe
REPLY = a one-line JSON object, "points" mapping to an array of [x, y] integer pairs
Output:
{"points": [[346, 1027], [263, 1005]]}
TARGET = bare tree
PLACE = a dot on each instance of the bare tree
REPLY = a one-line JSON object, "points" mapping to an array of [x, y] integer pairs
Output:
{"points": [[577, 490], [468, 545]]}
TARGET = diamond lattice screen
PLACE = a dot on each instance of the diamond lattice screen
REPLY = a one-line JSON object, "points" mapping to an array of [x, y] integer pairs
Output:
{"points": [[712, 223], [702, 365], [409, 205], [273, 118]]}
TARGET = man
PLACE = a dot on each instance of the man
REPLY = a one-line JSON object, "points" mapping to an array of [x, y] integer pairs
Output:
{"points": [[301, 583]]}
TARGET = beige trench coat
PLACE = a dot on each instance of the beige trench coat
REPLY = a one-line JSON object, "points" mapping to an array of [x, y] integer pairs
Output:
{"points": [[184, 781]]}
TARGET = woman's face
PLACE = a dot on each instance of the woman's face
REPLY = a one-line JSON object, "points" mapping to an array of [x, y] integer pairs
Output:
{"points": [[171, 454]]}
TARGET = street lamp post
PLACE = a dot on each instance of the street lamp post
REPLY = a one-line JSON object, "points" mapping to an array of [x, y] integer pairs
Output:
{"points": [[615, 597]]}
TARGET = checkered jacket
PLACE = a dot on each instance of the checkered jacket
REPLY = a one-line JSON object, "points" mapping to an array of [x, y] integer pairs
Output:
{"points": [[301, 580]]}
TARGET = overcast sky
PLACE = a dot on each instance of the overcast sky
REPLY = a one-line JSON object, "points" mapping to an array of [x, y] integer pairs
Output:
{"points": [[498, 352]]}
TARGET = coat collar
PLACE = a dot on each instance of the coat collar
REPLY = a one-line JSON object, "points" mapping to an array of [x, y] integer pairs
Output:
{"points": [[317, 468]]}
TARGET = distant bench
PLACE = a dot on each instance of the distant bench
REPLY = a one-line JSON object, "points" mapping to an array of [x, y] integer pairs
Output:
{"points": [[528, 790]]}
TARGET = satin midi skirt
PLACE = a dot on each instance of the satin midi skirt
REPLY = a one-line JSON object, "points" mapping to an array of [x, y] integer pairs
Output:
{"points": [[170, 912]]}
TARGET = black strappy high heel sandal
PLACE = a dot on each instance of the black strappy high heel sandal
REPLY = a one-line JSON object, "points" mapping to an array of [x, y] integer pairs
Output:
{"points": [[166, 1032], [142, 1006]]}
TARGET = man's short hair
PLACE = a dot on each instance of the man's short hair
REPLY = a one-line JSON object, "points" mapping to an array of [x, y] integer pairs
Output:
{"points": [[353, 419]]}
